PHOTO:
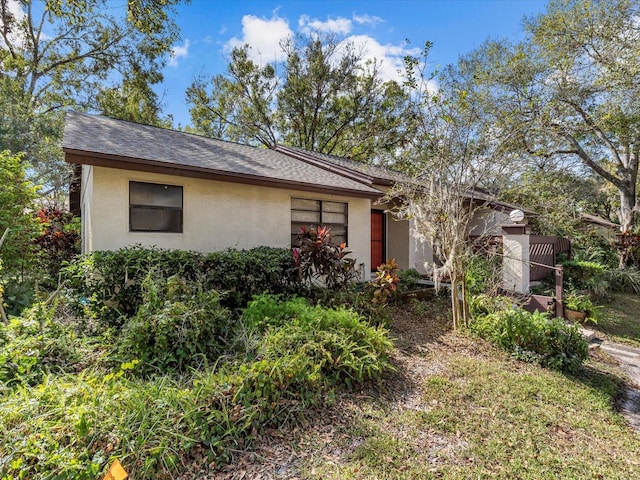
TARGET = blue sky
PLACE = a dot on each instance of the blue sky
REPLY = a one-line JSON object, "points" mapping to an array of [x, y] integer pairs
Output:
{"points": [[210, 28]]}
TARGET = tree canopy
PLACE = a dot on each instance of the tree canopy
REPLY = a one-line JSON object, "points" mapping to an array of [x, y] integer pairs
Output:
{"points": [[323, 96], [57, 55], [567, 94]]}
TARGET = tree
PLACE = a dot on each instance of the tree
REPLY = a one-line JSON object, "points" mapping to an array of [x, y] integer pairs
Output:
{"points": [[558, 197], [17, 204], [133, 100], [452, 152], [57, 55], [327, 99], [569, 91]]}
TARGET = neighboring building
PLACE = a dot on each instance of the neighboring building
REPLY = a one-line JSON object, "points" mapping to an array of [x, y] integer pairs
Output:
{"points": [[154, 186]]}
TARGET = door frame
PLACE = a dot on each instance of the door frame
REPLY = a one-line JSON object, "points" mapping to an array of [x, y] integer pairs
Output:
{"points": [[384, 237]]}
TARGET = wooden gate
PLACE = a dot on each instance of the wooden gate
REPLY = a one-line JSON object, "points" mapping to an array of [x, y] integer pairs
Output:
{"points": [[544, 250]]}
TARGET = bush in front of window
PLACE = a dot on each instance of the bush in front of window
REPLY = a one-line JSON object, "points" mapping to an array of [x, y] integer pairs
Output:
{"points": [[107, 285]]}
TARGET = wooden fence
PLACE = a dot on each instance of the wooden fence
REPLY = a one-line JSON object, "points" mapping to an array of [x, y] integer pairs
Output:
{"points": [[543, 252]]}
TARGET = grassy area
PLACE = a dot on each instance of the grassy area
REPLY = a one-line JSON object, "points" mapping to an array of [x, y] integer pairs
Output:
{"points": [[458, 408], [621, 320], [483, 417]]}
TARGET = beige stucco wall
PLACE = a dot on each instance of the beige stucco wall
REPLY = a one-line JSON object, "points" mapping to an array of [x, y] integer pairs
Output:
{"points": [[488, 222], [216, 215], [398, 241], [86, 194]]}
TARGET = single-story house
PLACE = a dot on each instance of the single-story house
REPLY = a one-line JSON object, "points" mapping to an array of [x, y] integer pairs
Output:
{"points": [[153, 186]]}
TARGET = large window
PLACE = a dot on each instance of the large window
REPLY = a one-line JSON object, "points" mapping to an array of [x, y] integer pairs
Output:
{"points": [[305, 212], [155, 208]]}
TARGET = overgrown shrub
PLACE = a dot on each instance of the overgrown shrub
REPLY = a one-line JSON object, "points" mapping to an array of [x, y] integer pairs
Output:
{"points": [[37, 343], [356, 297], [534, 337], [108, 283], [485, 304], [337, 342], [178, 326], [409, 279], [625, 280], [584, 275], [483, 274], [241, 274], [58, 242], [159, 427]]}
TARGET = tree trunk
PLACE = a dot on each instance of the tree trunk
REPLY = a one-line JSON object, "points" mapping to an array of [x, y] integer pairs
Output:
{"points": [[627, 202]]}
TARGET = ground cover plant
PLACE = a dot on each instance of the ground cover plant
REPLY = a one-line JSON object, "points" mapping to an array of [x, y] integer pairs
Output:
{"points": [[61, 417], [533, 337]]}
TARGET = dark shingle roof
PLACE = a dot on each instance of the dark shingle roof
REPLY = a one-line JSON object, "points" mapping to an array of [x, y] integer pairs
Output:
{"points": [[131, 144], [377, 173]]}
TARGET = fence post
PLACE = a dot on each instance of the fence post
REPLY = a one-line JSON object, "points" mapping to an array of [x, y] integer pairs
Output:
{"points": [[559, 279]]}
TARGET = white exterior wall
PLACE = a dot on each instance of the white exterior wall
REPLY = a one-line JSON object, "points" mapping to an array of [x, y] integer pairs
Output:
{"points": [[216, 215], [420, 252], [515, 263], [488, 222], [86, 205]]}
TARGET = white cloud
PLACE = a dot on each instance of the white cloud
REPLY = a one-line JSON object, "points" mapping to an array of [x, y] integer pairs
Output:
{"points": [[263, 35], [367, 20], [177, 52], [18, 13], [388, 57], [339, 25]]}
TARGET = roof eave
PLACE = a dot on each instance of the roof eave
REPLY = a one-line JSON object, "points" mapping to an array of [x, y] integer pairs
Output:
{"points": [[83, 157]]}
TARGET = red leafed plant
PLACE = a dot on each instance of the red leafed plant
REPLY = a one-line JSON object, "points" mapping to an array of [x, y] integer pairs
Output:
{"points": [[59, 240], [386, 282], [318, 257]]}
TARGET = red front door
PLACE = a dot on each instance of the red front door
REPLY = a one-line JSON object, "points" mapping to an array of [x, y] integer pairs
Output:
{"points": [[377, 239]]}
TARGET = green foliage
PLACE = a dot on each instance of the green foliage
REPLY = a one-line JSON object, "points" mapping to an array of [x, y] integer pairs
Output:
{"points": [[558, 106], [582, 275], [18, 295], [482, 274], [624, 280], [334, 342], [600, 279], [178, 326], [17, 197], [71, 426], [317, 257], [484, 304], [109, 283], [534, 337], [580, 302], [355, 296], [592, 247], [37, 343], [409, 279], [322, 97], [61, 55]]}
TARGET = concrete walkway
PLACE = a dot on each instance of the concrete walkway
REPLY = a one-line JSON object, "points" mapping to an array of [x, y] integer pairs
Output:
{"points": [[629, 360]]}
